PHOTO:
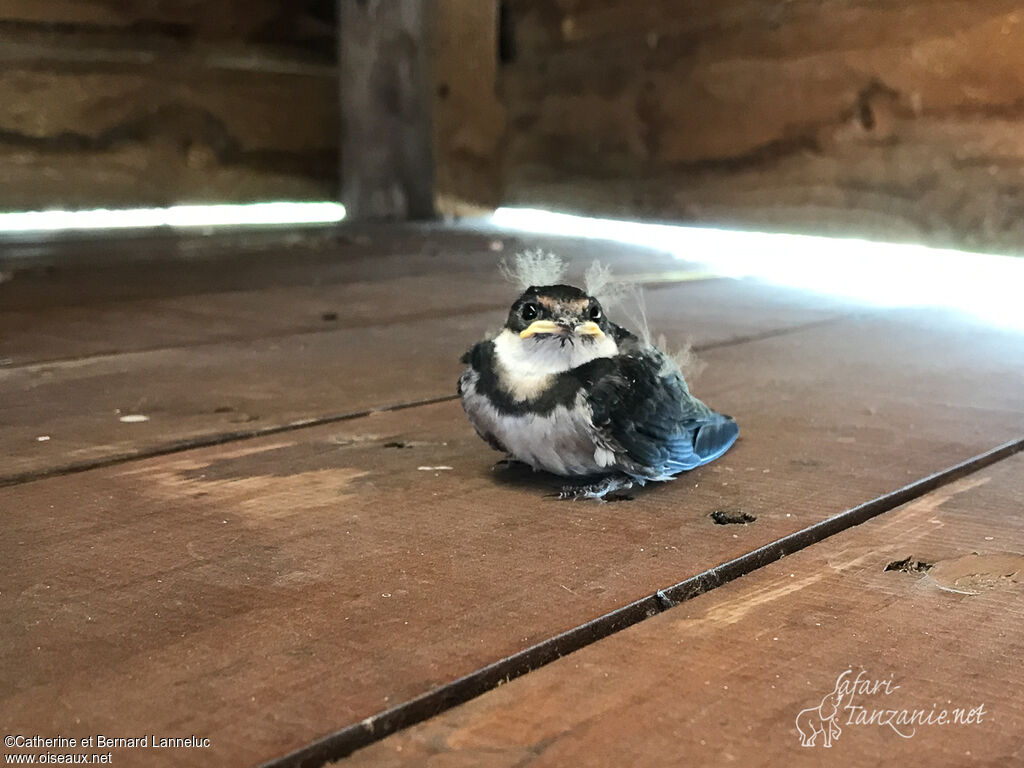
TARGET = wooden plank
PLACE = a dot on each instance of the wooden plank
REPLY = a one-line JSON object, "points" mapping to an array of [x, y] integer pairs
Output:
{"points": [[469, 118], [195, 291], [48, 271], [722, 678], [836, 117], [283, 21], [107, 114], [143, 292], [410, 353], [266, 593], [77, 332], [387, 96], [35, 336]]}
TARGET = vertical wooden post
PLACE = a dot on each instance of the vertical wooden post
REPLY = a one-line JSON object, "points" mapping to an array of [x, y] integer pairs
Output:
{"points": [[469, 119], [384, 53]]}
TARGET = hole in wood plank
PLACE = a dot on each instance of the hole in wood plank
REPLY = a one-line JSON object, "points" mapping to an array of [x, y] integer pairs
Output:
{"points": [[731, 517], [866, 115], [506, 35], [909, 565]]}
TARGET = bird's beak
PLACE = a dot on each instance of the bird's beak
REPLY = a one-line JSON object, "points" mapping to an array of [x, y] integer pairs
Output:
{"points": [[547, 326], [539, 326], [590, 329]]}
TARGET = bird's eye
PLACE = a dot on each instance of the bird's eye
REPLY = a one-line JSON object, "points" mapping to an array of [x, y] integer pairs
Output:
{"points": [[528, 312], [595, 312]]}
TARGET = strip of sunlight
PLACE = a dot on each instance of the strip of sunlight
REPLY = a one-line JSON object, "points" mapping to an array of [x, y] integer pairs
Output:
{"points": [[246, 214], [885, 274]]}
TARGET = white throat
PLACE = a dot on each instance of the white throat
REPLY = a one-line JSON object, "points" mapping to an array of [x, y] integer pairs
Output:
{"points": [[525, 366]]}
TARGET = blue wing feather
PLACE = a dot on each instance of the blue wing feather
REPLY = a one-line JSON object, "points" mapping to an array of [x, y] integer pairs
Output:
{"points": [[645, 408], [715, 438]]}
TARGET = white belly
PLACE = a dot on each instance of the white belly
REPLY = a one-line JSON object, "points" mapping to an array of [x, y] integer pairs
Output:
{"points": [[562, 441]]}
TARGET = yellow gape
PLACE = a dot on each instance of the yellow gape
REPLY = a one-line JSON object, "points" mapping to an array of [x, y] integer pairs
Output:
{"points": [[546, 326], [590, 329], [539, 326]]}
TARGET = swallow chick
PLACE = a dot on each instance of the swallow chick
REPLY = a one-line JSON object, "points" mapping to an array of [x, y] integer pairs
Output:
{"points": [[565, 390]]}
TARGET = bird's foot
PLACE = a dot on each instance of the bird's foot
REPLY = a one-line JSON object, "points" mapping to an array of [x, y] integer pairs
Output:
{"points": [[597, 490], [509, 463]]}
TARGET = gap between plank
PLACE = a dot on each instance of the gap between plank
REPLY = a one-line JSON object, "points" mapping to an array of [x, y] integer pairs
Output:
{"points": [[377, 727], [207, 441], [99, 357], [648, 281], [220, 438]]}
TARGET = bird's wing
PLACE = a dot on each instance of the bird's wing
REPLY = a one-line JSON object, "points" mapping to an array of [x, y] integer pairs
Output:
{"points": [[478, 360], [642, 408]]}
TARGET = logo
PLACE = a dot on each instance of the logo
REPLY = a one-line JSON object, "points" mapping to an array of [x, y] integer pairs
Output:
{"points": [[858, 700]]}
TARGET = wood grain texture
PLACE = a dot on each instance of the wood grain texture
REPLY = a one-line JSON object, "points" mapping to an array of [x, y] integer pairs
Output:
{"points": [[131, 104], [97, 328], [275, 372], [47, 273], [469, 118], [385, 55], [288, 21], [893, 120], [323, 577], [77, 299], [722, 678]]}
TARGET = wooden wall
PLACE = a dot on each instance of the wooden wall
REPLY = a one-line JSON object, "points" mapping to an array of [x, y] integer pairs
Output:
{"points": [[133, 102], [900, 120], [888, 118], [469, 119]]}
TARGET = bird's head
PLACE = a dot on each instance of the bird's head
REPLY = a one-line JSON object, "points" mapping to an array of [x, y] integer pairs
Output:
{"points": [[559, 313], [554, 328]]}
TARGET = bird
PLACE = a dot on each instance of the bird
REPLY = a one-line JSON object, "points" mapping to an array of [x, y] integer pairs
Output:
{"points": [[565, 390]]}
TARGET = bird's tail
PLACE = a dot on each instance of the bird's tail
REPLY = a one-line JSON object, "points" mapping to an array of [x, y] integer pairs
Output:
{"points": [[715, 437], [697, 445]]}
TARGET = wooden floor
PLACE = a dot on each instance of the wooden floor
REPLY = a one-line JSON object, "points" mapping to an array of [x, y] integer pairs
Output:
{"points": [[241, 503]]}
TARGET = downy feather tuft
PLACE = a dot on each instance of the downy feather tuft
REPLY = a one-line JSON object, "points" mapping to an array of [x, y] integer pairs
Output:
{"points": [[534, 267], [629, 298]]}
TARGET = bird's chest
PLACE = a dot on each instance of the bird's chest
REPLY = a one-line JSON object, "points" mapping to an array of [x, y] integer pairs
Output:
{"points": [[561, 440]]}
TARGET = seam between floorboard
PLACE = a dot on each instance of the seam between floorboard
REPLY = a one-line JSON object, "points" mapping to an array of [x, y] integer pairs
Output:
{"points": [[98, 357], [377, 727], [220, 438], [207, 441]]}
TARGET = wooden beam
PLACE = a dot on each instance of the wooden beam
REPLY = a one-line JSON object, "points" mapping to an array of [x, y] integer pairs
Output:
{"points": [[885, 120], [469, 119], [384, 53], [139, 103]]}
